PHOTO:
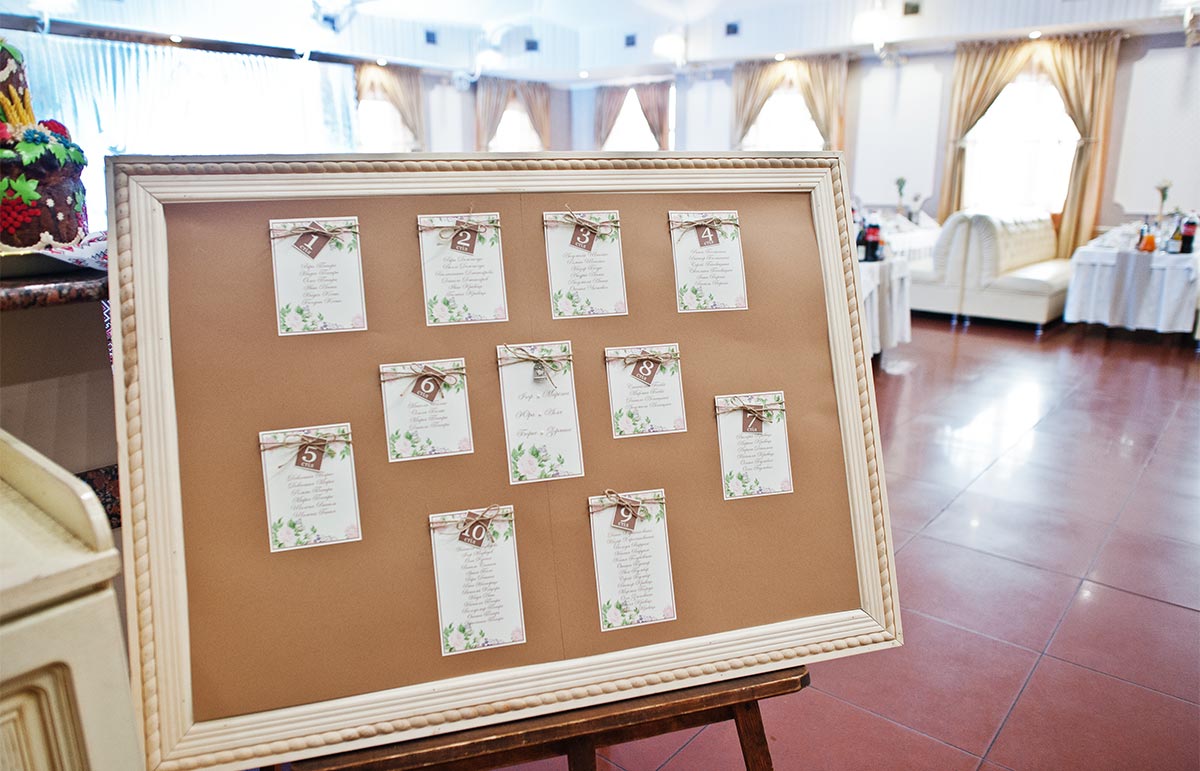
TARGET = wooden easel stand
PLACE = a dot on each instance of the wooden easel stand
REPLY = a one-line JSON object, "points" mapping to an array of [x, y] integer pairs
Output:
{"points": [[579, 732]]}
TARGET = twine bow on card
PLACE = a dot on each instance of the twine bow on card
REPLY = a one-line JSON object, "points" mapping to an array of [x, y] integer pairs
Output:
{"points": [[443, 375], [613, 499], [683, 226], [759, 411], [484, 517], [301, 440], [630, 359], [595, 226], [551, 362], [333, 231], [446, 232]]}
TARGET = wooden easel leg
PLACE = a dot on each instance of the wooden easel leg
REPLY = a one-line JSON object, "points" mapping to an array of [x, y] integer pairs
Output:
{"points": [[581, 755], [753, 737]]}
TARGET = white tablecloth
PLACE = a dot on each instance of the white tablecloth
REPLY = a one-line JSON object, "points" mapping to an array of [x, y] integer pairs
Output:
{"points": [[1121, 287], [911, 245], [885, 288]]}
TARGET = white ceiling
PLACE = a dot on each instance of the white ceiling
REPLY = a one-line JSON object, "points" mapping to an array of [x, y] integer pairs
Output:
{"points": [[589, 35]]}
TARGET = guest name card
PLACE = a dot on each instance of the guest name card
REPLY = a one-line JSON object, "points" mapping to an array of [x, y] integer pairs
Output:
{"points": [[645, 390], [318, 276], [541, 421], [462, 268], [754, 445], [583, 252], [312, 496], [425, 409], [709, 272], [632, 559], [478, 580]]}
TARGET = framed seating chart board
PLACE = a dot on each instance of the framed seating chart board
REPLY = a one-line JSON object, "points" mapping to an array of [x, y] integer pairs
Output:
{"points": [[413, 444]]}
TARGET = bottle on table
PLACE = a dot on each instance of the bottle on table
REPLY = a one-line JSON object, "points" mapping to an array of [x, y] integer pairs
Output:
{"points": [[871, 242], [1174, 244], [1187, 232], [1146, 237]]}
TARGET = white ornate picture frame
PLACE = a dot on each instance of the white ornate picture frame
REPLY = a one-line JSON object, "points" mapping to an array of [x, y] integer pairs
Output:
{"points": [[150, 480]]}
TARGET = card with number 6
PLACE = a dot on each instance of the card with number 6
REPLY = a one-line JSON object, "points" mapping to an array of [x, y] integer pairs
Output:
{"points": [[426, 410]]}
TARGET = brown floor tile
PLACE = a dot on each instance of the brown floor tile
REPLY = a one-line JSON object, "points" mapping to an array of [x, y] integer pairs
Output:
{"points": [[1110, 458], [900, 538], [648, 753], [1162, 568], [914, 502], [1157, 510], [1072, 718], [990, 595], [1087, 425], [1020, 531], [813, 730], [953, 685], [953, 464], [1078, 491], [1134, 638], [549, 764]]}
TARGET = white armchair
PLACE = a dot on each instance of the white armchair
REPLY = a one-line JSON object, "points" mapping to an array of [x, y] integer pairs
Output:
{"points": [[937, 281]]}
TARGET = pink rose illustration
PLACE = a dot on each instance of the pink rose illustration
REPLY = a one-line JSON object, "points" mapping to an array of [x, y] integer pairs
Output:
{"points": [[501, 312], [787, 485], [352, 531], [680, 423], [740, 302], [287, 536], [465, 444], [456, 640], [620, 306], [358, 322], [613, 617], [668, 612], [527, 466], [518, 634]]}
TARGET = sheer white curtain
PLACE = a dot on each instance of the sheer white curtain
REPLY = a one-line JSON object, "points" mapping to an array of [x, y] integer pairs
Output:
{"points": [[118, 98]]}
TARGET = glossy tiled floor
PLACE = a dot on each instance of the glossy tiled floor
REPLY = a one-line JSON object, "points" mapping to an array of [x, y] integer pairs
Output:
{"points": [[1045, 501]]}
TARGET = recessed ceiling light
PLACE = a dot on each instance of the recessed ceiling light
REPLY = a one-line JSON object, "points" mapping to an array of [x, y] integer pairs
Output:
{"points": [[779, 57], [381, 62], [176, 38], [1037, 33], [584, 74]]}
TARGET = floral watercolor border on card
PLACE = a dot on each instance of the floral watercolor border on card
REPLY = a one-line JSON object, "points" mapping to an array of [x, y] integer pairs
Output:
{"points": [[427, 413], [541, 418], [584, 262], [645, 390], [710, 273], [462, 268], [310, 486], [753, 441], [478, 579], [632, 558], [318, 275]]}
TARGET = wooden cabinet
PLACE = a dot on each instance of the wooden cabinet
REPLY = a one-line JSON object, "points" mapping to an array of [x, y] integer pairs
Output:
{"points": [[64, 684]]}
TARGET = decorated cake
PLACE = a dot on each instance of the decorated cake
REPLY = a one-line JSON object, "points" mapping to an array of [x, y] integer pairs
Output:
{"points": [[42, 203]]}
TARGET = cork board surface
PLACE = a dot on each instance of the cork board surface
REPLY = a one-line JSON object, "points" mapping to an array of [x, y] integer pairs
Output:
{"points": [[274, 630]]}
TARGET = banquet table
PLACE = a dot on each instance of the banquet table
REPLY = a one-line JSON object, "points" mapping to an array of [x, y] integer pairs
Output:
{"points": [[1117, 286], [886, 306]]}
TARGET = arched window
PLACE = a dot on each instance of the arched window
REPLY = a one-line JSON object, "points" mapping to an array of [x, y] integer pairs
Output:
{"points": [[515, 134], [784, 124], [380, 129], [1019, 154], [631, 132]]}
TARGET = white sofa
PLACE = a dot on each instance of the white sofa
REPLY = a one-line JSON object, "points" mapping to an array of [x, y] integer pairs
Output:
{"points": [[1011, 272], [937, 282]]}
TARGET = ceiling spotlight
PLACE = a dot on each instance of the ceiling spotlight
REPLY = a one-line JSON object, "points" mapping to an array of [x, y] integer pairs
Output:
{"points": [[176, 38], [584, 74], [381, 62], [779, 57], [1037, 33]]}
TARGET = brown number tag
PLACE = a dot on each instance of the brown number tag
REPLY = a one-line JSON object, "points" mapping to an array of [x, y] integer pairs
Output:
{"points": [[311, 244], [311, 454], [474, 532], [625, 518], [645, 370], [583, 238], [706, 235], [464, 238], [751, 423], [427, 386]]}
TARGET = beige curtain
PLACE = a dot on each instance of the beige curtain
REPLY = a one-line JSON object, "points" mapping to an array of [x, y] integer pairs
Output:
{"points": [[753, 84], [399, 85], [981, 71], [655, 99], [1084, 68], [822, 82], [491, 99], [609, 100], [536, 99]]}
